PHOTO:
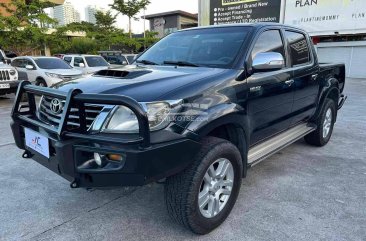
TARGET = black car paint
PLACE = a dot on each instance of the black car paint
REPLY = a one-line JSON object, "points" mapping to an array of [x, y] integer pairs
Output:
{"points": [[228, 94]]}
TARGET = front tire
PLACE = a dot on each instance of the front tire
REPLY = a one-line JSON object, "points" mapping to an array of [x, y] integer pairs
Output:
{"points": [[202, 196], [41, 83], [325, 125]]}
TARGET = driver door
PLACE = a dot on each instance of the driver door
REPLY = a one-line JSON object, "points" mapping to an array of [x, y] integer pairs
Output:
{"points": [[271, 93]]}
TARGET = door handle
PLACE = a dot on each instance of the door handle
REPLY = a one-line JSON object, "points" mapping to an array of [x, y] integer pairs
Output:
{"points": [[314, 76], [290, 82]]}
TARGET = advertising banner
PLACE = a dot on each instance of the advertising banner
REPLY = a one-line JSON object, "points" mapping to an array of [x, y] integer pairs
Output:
{"points": [[244, 11], [323, 17]]}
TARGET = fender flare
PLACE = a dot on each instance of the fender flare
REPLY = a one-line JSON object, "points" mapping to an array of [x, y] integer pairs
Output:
{"points": [[332, 86], [221, 115]]}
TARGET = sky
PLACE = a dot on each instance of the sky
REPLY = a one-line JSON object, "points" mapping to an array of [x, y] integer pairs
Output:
{"points": [[156, 6]]}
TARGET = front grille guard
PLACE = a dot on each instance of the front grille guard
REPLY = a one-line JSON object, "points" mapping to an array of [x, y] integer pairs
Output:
{"points": [[78, 98]]}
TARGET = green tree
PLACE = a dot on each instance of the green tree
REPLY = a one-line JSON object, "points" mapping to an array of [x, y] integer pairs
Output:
{"points": [[105, 21], [130, 8], [24, 28]]}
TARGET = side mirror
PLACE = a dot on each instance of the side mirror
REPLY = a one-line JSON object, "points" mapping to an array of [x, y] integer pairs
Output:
{"points": [[29, 67], [124, 63], [82, 65], [263, 62]]}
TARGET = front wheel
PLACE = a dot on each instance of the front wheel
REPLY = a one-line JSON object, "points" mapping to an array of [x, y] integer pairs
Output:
{"points": [[41, 83], [203, 195], [325, 124]]}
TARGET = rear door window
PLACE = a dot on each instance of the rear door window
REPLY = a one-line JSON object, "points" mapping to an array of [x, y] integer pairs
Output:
{"points": [[68, 59], [299, 48]]}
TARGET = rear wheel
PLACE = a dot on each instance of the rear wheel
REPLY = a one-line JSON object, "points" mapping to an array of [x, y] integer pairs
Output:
{"points": [[325, 124], [41, 83], [203, 195]]}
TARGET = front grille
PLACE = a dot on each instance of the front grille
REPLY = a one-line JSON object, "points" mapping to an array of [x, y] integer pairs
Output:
{"points": [[73, 121], [4, 75]]}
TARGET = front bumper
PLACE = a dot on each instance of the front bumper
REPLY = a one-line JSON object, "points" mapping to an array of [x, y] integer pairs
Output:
{"points": [[145, 159], [13, 87]]}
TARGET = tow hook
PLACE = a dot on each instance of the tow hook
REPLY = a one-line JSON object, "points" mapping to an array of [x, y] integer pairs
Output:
{"points": [[27, 155], [74, 184]]}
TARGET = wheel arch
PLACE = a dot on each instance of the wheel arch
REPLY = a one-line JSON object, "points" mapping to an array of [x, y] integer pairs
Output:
{"points": [[330, 91], [233, 126]]}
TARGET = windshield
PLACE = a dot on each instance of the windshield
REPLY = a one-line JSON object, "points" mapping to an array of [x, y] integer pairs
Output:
{"points": [[96, 61], [52, 63], [213, 47]]}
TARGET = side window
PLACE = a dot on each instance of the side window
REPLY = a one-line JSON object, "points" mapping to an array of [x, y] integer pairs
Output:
{"points": [[68, 59], [78, 61], [269, 41], [15, 63], [19, 63], [299, 48], [28, 62]]}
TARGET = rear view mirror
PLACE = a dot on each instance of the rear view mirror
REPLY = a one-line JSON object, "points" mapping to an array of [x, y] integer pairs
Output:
{"points": [[268, 61]]}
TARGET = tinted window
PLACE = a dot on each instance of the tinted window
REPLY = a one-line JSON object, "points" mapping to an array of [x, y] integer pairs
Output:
{"points": [[19, 63], [130, 58], [118, 60], [78, 61], [299, 48], [269, 41], [68, 59], [96, 61], [213, 47], [51, 63]]}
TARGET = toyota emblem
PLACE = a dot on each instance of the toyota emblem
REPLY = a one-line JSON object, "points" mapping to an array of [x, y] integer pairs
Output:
{"points": [[56, 106]]}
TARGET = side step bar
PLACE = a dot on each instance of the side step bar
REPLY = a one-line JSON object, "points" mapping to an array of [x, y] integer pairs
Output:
{"points": [[263, 150]]}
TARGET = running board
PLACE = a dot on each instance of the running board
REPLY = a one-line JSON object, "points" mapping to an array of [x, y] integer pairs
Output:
{"points": [[263, 150]]}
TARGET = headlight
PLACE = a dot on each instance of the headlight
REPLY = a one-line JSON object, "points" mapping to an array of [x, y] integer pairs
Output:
{"points": [[159, 114], [12, 72], [52, 75]]}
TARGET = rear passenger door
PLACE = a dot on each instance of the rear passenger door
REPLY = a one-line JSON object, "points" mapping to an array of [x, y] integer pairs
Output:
{"points": [[305, 75], [270, 96]]}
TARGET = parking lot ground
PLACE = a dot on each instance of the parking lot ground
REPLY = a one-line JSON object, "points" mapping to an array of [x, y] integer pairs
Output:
{"points": [[301, 193]]}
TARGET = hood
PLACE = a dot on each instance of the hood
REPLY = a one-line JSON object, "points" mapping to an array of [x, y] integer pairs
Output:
{"points": [[5, 66], [92, 70], [141, 83], [64, 72]]}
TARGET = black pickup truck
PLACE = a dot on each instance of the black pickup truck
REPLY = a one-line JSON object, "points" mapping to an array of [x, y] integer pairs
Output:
{"points": [[195, 111]]}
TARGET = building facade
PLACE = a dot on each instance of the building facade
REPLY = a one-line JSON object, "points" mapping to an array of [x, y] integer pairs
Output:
{"points": [[168, 22], [66, 14], [90, 12], [338, 27], [51, 3]]}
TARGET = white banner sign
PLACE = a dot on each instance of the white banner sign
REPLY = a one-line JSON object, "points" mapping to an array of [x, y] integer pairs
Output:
{"points": [[325, 17]]}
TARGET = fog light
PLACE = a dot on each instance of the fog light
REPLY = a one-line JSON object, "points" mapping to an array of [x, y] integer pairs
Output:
{"points": [[98, 159], [115, 157]]}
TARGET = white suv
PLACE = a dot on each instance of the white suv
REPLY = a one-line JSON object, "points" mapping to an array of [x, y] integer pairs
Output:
{"points": [[46, 71], [8, 79], [88, 64]]}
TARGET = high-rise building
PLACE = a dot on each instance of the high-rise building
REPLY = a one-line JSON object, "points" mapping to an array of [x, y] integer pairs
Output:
{"points": [[51, 4], [66, 14], [90, 12]]}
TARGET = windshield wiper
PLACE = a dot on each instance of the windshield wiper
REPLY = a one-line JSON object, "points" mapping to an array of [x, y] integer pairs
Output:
{"points": [[181, 63], [147, 62]]}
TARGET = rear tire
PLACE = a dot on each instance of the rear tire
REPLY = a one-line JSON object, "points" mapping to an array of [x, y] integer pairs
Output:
{"points": [[197, 200], [325, 125]]}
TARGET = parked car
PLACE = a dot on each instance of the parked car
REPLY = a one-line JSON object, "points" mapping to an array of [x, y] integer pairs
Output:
{"points": [[117, 58], [9, 79], [200, 108], [88, 64], [46, 71]]}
